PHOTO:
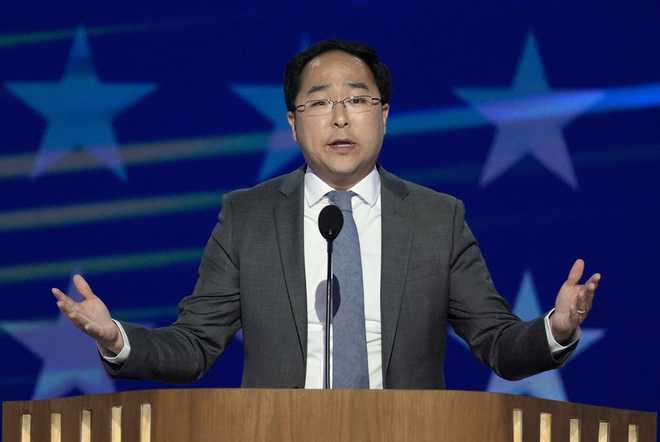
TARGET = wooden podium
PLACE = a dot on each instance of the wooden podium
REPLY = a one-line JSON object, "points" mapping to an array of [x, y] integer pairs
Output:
{"points": [[238, 415]]}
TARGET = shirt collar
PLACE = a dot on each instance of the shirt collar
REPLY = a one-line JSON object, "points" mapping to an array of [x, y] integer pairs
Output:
{"points": [[368, 188]]}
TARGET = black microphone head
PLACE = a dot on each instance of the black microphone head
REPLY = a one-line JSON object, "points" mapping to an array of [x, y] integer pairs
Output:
{"points": [[331, 220]]}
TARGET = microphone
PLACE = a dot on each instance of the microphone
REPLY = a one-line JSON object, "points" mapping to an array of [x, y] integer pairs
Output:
{"points": [[331, 220]]}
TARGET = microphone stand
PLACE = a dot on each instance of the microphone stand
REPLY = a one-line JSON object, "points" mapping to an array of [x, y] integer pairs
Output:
{"points": [[331, 221], [328, 318]]}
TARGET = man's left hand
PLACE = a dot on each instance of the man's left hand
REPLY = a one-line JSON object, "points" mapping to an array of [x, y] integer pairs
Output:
{"points": [[573, 303]]}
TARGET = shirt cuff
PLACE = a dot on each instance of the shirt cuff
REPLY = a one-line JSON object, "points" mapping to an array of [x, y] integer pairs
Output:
{"points": [[556, 347], [123, 354]]}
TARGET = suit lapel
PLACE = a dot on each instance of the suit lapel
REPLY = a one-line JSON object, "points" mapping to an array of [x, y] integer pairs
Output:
{"points": [[395, 250], [289, 225]]}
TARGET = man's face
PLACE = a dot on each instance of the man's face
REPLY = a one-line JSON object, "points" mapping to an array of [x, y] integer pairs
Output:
{"points": [[342, 148]]}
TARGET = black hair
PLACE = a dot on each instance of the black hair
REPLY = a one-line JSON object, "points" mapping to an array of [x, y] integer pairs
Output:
{"points": [[295, 66]]}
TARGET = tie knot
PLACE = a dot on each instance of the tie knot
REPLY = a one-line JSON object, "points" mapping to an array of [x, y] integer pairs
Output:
{"points": [[342, 199]]}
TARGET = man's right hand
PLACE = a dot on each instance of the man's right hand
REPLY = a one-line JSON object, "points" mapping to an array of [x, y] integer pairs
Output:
{"points": [[91, 316]]}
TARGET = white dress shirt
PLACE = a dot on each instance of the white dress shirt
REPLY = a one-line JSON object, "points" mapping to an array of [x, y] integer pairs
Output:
{"points": [[367, 215]]}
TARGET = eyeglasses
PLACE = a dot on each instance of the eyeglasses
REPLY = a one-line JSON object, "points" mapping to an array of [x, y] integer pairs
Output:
{"points": [[353, 105]]}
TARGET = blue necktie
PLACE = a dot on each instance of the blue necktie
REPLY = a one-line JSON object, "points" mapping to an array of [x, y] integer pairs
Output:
{"points": [[349, 341]]}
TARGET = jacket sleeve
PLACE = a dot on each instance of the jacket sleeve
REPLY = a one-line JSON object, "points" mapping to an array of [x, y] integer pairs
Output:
{"points": [[511, 347], [207, 319]]}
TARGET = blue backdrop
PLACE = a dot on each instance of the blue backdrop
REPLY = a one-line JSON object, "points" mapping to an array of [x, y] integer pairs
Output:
{"points": [[121, 131]]}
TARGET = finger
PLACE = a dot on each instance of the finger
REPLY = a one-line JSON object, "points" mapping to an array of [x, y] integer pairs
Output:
{"points": [[589, 292], [583, 304], [64, 308], [576, 272], [594, 280], [59, 294], [83, 288], [64, 303], [69, 307]]}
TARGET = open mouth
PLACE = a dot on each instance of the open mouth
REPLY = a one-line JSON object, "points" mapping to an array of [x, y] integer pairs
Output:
{"points": [[342, 144]]}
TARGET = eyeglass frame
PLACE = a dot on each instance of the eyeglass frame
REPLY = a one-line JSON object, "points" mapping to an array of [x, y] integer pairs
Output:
{"points": [[374, 101]]}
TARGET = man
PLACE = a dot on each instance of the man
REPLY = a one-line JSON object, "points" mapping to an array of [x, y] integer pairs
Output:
{"points": [[408, 265]]}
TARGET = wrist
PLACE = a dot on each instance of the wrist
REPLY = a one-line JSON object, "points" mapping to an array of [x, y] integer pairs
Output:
{"points": [[561, 334], [117, 343]]}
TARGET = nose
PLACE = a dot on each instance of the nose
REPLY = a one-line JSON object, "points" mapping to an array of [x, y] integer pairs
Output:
{"points": [[339, 117]]}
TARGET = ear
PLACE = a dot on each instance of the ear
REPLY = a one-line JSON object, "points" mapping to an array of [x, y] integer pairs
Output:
{"points": [[291, 117], [386, 113]]}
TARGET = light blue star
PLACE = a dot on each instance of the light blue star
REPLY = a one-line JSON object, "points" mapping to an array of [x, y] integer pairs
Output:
{"points": [[70, 358], [79, 110], [529, 118], [268, 99], [548, 384]]}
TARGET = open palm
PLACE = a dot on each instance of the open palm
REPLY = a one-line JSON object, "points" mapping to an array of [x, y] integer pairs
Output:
{"points": [[573, 302], [90, 315]]}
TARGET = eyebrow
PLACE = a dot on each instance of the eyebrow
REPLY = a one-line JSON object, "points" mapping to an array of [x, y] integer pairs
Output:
{"points": [[352, 84], [358, 85], [318, 87]]}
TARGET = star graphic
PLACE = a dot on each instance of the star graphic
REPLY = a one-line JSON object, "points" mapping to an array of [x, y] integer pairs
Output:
{"points": [[79, 110], [70, 358], [548, 384], [268, 99], [529, 117]]}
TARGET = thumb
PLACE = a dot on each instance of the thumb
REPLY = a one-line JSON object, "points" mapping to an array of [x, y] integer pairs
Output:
{"points": [[576, 272], [83, 288]]}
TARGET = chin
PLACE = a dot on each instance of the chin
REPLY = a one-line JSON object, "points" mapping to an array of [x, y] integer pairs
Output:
{"points": [[343, 171], [347, 176]]}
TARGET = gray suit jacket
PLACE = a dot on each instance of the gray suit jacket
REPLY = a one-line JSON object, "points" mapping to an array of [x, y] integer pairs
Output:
{"points": [[252, 276]]}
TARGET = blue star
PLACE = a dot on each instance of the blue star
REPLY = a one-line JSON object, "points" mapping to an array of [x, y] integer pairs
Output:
{"points": [[268, 99], [530, 117], [79, 110], [548, 384], [70, 358]]}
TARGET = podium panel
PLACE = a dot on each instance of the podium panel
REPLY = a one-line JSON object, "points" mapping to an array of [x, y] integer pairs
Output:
{"points": [[237, 415]]}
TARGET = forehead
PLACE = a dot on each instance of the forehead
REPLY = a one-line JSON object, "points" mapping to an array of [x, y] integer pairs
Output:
{"points": [[335, 68]]}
